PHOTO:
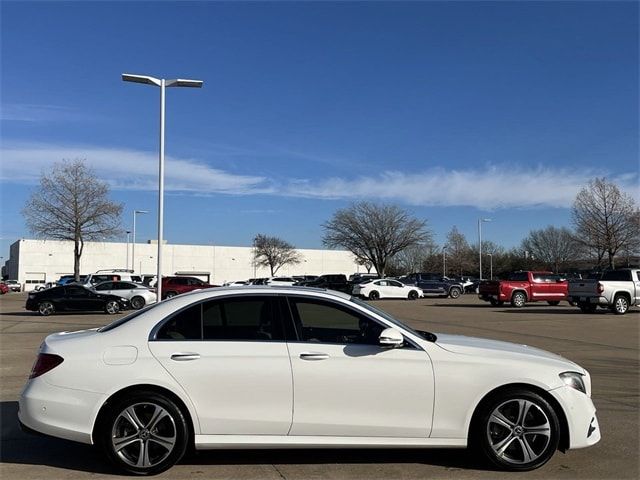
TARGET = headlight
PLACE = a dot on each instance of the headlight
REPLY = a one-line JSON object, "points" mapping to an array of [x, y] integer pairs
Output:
{"points": [[573, 380]]}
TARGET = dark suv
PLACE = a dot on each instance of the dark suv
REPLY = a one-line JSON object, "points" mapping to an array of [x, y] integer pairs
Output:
{"points": [[434, 284], [330, 282], [172, 286]]}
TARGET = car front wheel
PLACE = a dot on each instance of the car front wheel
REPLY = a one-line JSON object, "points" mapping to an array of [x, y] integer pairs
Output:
{"points": [[454, 292], [413, 295], [517, 430], [144, 434]]}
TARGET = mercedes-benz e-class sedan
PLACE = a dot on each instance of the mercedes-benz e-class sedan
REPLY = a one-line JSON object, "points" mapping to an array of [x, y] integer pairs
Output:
{"points": [[280, 367]]}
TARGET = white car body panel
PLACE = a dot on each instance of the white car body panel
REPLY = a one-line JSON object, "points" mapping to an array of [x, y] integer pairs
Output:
{"points": [[393, 398], [396, 289]]}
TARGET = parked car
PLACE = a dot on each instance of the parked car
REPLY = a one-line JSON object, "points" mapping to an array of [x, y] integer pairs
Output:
{"points": [[138, 294], [362, 277], [111, 275], [74, 298], [336, 282], [304, 278], [14, 285], [386, 288], [280, 281], [294, 367], [236, 283], [44, 286], [522, 287], [172, 286], [434, 284], [616, 290], [3, 288]]}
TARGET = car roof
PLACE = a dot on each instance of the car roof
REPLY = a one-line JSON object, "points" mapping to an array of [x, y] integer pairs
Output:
{"points": [[249, 289]]}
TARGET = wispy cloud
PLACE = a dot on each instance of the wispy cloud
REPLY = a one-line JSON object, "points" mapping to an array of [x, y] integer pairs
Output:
{"points": [[493, 187], [127, 169], [32, 113], [490, 187]]}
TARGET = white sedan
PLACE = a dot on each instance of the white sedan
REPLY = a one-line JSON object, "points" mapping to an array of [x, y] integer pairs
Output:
{"points": [[138, 295], [387, 288], [272, 367]]}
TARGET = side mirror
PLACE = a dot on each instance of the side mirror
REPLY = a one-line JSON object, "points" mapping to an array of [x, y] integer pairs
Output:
{"points": [[390, 337]]}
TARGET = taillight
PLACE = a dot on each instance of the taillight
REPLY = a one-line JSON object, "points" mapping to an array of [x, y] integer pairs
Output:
{"points": [[44, 363], [600, 287]]}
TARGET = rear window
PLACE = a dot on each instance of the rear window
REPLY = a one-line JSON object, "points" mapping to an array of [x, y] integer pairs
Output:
{"points": [[617, 275], [519, 277]]}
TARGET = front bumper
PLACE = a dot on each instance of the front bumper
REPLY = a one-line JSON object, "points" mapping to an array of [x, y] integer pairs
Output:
{"points": [[58, 412], [584, 430]]}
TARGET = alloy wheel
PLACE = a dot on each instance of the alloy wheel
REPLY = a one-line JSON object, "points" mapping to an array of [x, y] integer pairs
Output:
{"points": [[112, 307], [518, 431], [46, 308], [621, 305], [143, 435]]}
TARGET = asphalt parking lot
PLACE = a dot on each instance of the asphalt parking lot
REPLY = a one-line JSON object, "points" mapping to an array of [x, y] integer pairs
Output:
{"points": [[606, 344]]}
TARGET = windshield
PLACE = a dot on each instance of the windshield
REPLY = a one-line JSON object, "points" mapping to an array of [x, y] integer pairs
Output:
{"points": [[425, 335]]}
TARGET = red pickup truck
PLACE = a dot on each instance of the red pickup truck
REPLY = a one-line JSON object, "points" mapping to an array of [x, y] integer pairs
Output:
{"points": [[172, 286], [523, 287]]}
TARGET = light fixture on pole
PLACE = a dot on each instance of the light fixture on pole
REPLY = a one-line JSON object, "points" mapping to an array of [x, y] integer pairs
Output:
{"points": [[162, 83], [133, 246], [480, 222], [127, 264]]}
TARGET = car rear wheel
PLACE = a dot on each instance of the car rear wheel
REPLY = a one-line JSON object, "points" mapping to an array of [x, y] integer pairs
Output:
{"points": [[112, 307], [454, 292], [413, 295], [620, 305], [587, 307], [374, 295], [46, 308], [553, 303], [518, 299], [145, 433], [516, 430], [137, 303]]}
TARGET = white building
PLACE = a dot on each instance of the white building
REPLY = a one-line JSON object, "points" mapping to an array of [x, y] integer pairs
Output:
{"points": [[34, 262]]}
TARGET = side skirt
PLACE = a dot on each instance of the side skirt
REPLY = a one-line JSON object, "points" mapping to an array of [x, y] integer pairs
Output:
{"points": [[208, 442]]}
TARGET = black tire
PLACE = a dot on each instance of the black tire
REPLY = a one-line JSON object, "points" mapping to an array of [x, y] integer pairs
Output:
{"points": [[489, 433], [587, 307], [171, 428], [137, 302], [454, 292], [46, 308], [413, 295], [374, 295], [112, 307], [553, 303], [620, 304], [518, 299], [170, 294]]}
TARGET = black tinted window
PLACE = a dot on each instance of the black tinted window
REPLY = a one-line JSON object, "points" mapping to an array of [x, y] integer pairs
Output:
{"points": [[241, 319], [519, 277], [617, 275], [325, 322], [104, 286], [123, 286], [185, 325], [76, 291]]}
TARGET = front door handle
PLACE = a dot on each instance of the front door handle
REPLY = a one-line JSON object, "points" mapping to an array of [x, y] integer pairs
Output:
{"points": [[314, 356], [183, 357]]}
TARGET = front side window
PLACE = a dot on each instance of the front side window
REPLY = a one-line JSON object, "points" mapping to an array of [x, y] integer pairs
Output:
{"points": [[77, 292], [519, 277], [318, 321], [104, 286]]}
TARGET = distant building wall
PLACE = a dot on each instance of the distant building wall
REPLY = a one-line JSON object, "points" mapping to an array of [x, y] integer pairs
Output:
{"points": [[38, 261]]}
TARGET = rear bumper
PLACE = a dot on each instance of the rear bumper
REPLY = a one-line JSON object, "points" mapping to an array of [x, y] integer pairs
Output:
{"points": [[58, 412], [592, 299]]}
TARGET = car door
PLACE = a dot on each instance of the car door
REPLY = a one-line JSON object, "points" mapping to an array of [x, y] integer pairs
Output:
{"points": [[81, 299], [104, 288], [231, 356], [396, 289], [345, 384]]}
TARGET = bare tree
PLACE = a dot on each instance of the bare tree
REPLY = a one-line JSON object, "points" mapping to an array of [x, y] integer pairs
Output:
{"points": [[374, 232], [555, 247], [606, 219], [72, 204], [460, 256], [273, 252]]}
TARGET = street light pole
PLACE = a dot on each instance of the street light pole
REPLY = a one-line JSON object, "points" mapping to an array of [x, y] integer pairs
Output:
{"points": [[480, 222], [163, 84], [444, 261], [127, 264], [133, 246], [491, 265]]}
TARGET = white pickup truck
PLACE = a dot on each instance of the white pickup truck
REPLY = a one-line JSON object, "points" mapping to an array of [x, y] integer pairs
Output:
{"points": [[616, 289]]}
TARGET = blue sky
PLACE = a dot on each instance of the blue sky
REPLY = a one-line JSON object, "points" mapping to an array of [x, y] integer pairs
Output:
{"points": [[452, 110]]}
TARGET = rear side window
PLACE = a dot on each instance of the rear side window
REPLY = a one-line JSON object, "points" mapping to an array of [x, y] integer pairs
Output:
{"points": [[617, 275], [105, 286], [185, 325], [519, 277]]}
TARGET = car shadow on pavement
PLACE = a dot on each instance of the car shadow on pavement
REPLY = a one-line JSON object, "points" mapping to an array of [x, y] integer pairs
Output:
{"points": [[18, 447]]}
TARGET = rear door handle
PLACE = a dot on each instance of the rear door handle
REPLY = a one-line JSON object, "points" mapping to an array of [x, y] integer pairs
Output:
{"points": [[314, 356], [183, 357]]}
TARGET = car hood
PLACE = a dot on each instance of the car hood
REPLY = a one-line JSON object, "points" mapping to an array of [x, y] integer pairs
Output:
{"points": [[495, 348]]}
